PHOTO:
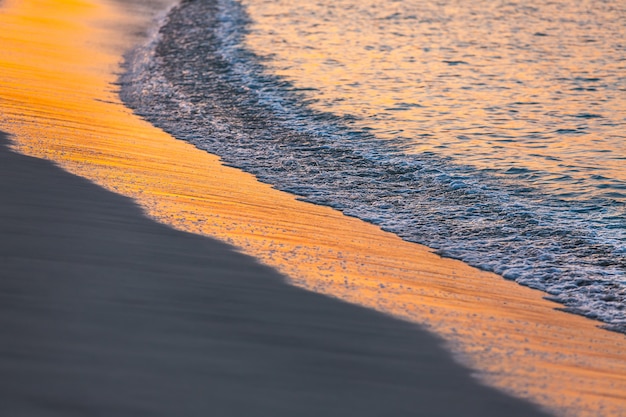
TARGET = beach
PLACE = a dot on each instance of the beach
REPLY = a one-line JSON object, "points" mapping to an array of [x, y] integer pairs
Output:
{"points": [[163, 282], [106, 312]]}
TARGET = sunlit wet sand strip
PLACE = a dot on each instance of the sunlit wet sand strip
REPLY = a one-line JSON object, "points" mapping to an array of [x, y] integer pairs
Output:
{"points": [[109, 312], [57, 97]]}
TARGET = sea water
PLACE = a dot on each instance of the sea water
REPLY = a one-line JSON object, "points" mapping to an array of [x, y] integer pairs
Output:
{"points": [[492, 131]]}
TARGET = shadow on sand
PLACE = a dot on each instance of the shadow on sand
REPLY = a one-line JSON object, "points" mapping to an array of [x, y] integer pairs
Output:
{"points": [[105, 312]]}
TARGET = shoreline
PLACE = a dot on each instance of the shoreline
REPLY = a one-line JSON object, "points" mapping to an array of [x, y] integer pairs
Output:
{"points": [[510, 334], [200, 80]]}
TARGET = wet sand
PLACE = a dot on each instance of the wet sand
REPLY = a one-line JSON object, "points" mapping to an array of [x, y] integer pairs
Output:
{"points": [[105, 312], [58, 100]]}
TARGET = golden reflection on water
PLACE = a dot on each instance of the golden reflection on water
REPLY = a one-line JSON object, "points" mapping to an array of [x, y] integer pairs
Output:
{"points": [[57, 100], [538, 85]]}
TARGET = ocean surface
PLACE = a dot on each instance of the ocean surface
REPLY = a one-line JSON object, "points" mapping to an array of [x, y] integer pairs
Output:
{"points": [[492, 131]]}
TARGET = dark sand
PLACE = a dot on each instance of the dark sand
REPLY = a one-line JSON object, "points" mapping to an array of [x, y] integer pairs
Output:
{"points": [[104, 312]]}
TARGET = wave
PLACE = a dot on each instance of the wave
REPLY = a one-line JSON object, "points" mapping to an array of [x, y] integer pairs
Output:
{"points": [[197, 81]]}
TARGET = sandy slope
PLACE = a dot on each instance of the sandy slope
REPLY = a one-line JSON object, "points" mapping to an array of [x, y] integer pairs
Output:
{"points": [[105, 312]]}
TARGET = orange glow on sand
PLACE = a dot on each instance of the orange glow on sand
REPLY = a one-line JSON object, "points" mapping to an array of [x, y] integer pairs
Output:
{"points": [[58, 100]]}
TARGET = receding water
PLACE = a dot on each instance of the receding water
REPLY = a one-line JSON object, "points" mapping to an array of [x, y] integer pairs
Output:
{"points": [[491, 131], [537, 88]]}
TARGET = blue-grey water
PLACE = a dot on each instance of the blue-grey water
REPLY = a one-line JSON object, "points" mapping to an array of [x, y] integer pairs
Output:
{"points": [[491, 131]]}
